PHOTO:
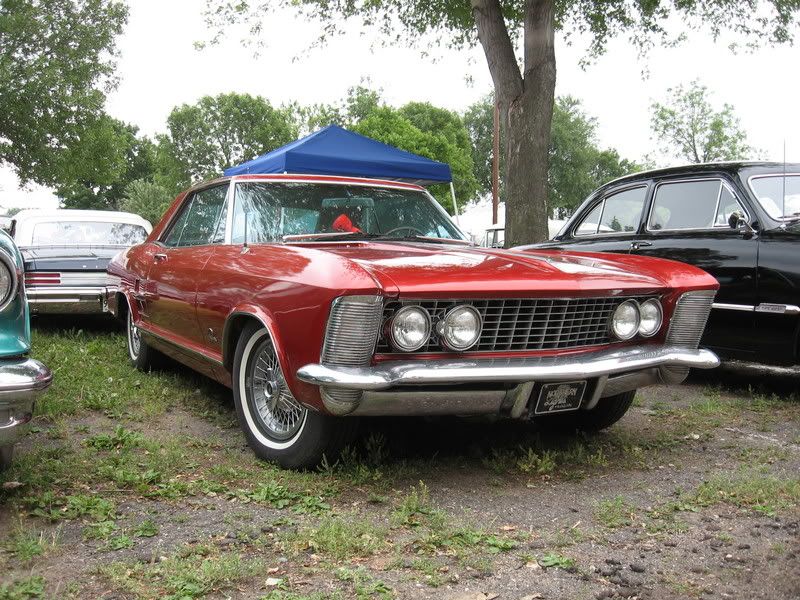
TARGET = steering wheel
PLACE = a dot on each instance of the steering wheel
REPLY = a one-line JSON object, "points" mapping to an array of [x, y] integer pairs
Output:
{"points": [[402, 228]]}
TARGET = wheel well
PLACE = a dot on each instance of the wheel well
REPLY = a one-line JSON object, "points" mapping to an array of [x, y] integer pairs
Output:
{"points": [[233, 329], [122, 307]]}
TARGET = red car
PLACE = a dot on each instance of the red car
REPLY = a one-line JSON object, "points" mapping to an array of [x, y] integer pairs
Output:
{"points": [[320, 299]]}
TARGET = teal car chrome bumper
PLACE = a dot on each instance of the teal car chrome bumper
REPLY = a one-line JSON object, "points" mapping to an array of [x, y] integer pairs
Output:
{"points": [[21, 381]]}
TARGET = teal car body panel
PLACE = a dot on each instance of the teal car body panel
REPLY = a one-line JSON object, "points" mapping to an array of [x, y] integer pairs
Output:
{"points": [[22, 378]]}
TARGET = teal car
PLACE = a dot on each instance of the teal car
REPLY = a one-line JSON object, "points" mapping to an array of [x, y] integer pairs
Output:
{"points": [[22, 378]]}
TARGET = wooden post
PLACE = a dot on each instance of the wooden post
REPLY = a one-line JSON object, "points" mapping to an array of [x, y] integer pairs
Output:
{"points": [[496, 162]]}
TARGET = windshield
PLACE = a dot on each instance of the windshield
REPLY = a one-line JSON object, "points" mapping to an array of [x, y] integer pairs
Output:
{"points": [[268, 211], [88, 233], [778, 195]]}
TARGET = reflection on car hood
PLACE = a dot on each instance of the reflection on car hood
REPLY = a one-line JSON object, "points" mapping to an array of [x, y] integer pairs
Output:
{"points": [[414, 268]]}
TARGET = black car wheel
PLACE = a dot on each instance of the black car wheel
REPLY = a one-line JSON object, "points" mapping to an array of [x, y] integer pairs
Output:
{"points": [[607, 412], [277, 427]]}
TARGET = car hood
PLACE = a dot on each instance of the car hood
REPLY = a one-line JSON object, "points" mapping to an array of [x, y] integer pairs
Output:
{"points": [[416, 268], [68, 258]]}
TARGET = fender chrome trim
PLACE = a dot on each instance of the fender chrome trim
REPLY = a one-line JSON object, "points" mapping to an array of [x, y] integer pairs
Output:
{"points": [[764, 307], [513, 370]]}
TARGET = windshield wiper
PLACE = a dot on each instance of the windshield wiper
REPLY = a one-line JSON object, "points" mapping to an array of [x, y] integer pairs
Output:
{"points": [[331, 236]]}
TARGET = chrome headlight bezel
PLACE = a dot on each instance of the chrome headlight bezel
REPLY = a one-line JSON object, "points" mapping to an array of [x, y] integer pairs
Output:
{"points": [[7, 262], [442, 328], [633, 307], [394, 322], [646, 333]]}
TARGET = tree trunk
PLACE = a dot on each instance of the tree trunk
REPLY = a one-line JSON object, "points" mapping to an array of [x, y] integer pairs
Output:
{"points": [[526, 106]]}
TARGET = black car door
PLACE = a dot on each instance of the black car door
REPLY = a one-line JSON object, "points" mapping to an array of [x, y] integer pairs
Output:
{"points": [[609, 223], [688, 221]]}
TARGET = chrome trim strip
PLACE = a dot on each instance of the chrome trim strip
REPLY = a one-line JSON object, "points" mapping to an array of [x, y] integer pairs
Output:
{"points": [[512, 370], [778, 309], [726, 306], [176, 345], [764, 307], [22, 375]]}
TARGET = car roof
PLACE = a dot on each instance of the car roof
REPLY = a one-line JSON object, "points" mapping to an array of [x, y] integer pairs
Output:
{"points": [[312, 178], [73, 214], [733, 167]]}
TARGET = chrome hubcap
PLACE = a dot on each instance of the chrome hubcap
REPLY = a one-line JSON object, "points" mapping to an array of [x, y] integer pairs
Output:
{"points": [[280, 414]]}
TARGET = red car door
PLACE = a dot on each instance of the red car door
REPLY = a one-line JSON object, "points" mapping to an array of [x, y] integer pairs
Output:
{"points": [[177, 266]]}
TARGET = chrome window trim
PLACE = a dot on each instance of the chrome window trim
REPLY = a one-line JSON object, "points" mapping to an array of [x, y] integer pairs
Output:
{"points": [[780, 219], [693, 180], [589, 236]]}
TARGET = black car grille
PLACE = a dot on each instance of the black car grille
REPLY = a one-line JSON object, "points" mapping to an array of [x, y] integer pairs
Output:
{"points": [[524, 324]]}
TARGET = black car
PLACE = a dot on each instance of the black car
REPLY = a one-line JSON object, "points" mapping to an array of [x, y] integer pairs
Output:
{"points": [[738, 221]]}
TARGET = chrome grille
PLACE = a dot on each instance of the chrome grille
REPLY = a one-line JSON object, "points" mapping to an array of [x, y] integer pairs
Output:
{"points": [[350, 338], [688, 324], [524, 324], [689, 318]]}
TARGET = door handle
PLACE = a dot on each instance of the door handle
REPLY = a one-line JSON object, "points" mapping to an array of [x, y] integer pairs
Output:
{"points": [[159, 257], [640, 244]]}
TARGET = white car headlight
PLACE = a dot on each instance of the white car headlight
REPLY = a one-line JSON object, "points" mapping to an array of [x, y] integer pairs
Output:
{"points": [[410, 328], [460, 329], [625, 320], [8, 279], [650, 317]]}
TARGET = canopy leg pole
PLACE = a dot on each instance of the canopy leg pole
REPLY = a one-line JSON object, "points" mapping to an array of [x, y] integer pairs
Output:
{"points": [[455, 204]]}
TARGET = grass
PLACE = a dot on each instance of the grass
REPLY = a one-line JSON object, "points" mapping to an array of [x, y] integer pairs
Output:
{"points": [[339, 538], [194, 572], [28, 588], [614, 513], [752, 489]]}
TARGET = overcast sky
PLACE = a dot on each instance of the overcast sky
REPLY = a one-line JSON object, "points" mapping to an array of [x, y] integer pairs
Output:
{"points": [[159, 68]]}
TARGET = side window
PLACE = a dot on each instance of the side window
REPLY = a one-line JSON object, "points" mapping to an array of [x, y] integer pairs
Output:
{"points": [[728, 204], [687, 205], [617, 213], [202, 221]]}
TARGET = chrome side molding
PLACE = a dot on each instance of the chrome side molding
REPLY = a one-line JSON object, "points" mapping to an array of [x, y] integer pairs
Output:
{"points": [[764, 307]]}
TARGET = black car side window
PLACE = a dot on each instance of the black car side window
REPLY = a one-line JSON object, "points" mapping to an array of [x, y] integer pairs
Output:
{"points": [[686, 205], [620, 212]]}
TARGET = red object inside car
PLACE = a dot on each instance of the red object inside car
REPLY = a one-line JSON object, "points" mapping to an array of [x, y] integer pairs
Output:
{"points": [[343, 223]]}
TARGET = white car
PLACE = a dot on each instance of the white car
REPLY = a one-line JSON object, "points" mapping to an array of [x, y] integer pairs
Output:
{"points": [[66, 253]]}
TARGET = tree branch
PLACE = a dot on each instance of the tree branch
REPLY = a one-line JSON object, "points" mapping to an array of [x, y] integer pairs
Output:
{"points": [[539, 42], [493, 35]]}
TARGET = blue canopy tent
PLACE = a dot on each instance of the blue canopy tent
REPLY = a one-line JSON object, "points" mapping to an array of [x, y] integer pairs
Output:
{"points": [[336, 151]]}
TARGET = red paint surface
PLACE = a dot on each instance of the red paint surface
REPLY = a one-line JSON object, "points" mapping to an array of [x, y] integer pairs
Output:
{"points": [[191, 298]]}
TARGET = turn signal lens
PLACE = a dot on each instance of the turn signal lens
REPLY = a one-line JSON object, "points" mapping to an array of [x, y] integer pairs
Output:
{"points": [[460, 329], [410, 328], [651, 317], [625, 320]]}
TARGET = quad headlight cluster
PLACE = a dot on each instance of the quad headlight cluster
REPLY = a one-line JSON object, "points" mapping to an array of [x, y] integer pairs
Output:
{"points": [[632, 317], [458, 329]]}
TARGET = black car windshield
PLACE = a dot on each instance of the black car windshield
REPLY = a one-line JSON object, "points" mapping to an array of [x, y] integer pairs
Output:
{"points": [[778, 195], [87, 233], [277, 211]]}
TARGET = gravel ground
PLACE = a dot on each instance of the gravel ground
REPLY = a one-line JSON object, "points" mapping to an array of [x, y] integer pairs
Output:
{"points": [[694, 494]]}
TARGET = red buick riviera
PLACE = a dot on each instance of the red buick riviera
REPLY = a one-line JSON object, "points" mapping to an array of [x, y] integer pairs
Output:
{"points": [[321, 299]]}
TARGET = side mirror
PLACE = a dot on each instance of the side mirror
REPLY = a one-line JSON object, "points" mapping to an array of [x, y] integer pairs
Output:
{"points": [[737, 221]]}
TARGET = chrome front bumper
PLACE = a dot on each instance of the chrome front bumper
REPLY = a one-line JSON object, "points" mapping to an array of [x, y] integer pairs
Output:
{"points": [[417, 384], [69, 300], [21, 381]]}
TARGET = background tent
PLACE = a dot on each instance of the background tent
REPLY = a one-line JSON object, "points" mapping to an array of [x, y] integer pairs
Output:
{"points": [[336, 151]]}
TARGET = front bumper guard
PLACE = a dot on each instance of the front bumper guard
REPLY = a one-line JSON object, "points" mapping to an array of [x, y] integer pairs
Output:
{"points": [[21, 381], [420, 387]]}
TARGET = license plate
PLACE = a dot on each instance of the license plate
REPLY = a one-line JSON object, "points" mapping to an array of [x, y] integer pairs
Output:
{"points": [[560, 397]]}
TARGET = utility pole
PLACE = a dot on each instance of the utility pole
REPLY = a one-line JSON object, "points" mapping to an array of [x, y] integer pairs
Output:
{"points": [[496, 162]]}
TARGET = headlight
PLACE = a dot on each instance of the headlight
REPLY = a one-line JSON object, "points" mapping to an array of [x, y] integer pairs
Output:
{"points": [[8, 279], [460, 329], [410, 328], [650, 316], [625, 320]]}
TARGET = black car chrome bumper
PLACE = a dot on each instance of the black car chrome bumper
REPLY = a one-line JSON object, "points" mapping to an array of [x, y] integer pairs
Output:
{"points": [[62, 300], [442, 386], [21, 381]]}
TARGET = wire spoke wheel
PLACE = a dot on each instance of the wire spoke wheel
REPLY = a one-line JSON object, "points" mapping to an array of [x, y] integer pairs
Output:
{"points": [[134, 337], [277, 412]]}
